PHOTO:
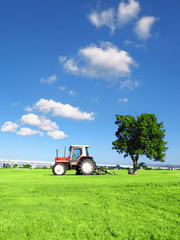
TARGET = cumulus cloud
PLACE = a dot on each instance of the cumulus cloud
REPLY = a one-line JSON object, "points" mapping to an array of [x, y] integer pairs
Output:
{"points": [[28, 131], [105, 18], [40, 122], [127, 12], [34, 120], [30, 119], [50, 79], [57, 134], [63, 110], [113, 18], [69, 65], [9, 127], [107, 61], [143, 27]]}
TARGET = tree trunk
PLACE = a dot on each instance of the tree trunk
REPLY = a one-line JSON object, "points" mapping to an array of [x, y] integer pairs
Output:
{"points": [[135, 165]]}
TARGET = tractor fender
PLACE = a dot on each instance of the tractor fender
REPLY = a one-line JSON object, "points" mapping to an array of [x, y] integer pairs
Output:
{"points": [[83, 157]]}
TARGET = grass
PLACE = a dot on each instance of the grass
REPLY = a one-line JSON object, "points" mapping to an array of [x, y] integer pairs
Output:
{"points": [[34, 204]]}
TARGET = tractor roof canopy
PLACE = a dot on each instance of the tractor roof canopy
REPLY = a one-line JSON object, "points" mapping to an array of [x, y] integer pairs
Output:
{"points": [[79, 146]]}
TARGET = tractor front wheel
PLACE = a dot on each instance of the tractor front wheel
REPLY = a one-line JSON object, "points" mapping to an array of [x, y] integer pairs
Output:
{"points": [[59, 169], [87, 167]]}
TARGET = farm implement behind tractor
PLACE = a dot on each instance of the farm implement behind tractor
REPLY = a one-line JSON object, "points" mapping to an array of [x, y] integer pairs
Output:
{"points": [[78, 160]]}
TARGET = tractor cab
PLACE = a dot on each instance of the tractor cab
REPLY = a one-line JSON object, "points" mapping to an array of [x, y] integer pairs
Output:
{"points": [[78, 151]]}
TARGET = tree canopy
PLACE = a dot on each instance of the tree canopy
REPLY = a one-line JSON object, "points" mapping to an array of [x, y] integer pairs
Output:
{"points": [[140, 136]]}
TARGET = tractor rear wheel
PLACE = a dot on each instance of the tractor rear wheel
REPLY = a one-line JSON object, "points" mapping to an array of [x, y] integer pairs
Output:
{"points": [[59, 169], [87, 167]]}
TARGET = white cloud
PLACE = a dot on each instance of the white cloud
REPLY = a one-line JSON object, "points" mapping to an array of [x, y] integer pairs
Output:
{"points": [[15, 104], [28, 108], [123, 100], [47, 125], [9, 127], [40, 122], [127, 12], [63, 110], [62, 88], [106, 61], [62, 59], [30, 119], [105, 18], [28, 131], [129, 84], [71, 66], [143, 27], [34, 120], [57, 134], [131, 43], [72, 93], [49, 80], [113, 18]]}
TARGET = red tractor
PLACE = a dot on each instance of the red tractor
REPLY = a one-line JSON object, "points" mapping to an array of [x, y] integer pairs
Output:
{"points": [[78, 159]]}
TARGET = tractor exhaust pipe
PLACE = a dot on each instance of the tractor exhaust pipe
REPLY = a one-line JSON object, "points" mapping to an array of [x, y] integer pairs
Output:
{"points": [[57, 153], [64, 151]]}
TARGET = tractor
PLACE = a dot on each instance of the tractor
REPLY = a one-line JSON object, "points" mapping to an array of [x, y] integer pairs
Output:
{"points": [[78, 160]]}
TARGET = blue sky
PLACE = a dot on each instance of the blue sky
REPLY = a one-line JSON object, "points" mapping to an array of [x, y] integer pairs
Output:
{"points": [[68, 67]]}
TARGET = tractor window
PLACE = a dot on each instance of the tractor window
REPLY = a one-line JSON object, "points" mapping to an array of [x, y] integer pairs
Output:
{"points": [[77, 152], [87, 152]]}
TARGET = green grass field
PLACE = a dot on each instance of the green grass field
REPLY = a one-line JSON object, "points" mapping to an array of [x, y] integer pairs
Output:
{"points": [[34, 204]]}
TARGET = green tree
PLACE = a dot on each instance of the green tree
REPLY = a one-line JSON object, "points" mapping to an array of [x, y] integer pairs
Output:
{"points": [[140, 136], [117, 165]]}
